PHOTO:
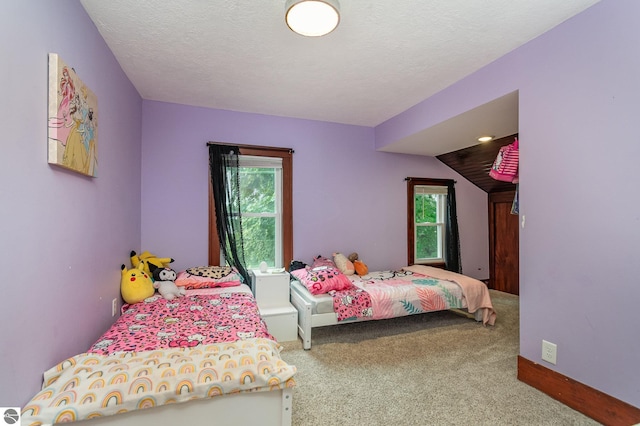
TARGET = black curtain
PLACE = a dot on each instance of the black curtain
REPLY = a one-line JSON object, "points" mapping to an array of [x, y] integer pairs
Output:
{"points": [[452, 254], [223, 166]]}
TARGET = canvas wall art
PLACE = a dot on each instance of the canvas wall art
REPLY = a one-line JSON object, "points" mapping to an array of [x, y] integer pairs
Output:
{"points": [[73, 120]]}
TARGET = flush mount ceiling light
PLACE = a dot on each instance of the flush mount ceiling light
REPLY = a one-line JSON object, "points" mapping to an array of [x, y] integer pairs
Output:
{"points": [[485, 138], [312, 18]]}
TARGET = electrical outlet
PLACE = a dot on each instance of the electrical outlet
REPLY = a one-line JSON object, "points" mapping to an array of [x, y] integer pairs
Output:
{"points": [[549, 352], [114, 307]]}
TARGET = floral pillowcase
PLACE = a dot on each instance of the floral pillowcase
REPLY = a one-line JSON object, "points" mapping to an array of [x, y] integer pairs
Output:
{"points": [[208, 277], [322, 279]]}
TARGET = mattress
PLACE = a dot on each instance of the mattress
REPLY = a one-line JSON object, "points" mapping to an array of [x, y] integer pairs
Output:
{"points": [[321, 303], [389, 294], [384, 294], [202, 316]]}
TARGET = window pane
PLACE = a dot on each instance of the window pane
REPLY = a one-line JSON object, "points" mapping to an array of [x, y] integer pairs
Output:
{"points": [[235, 226], [426, 208], [259, 240], [427, 242], [257, 190]]}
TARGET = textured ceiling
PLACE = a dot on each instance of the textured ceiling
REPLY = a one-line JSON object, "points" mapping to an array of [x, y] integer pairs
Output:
{"points": [[384, 57]]}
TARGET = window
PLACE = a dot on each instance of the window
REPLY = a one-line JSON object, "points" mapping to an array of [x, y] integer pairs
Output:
{"points": [[427, 221], [265, 176], [261, 207]]}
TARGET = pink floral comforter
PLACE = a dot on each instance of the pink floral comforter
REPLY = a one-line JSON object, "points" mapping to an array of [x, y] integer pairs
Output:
{"points": [[188, 321], [390, 294]]}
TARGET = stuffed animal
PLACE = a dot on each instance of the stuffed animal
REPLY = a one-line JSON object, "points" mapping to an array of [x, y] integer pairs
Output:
{"points": [[164, 282], [296, 264], [322, 262], [135, 285], [147, 259], [344, 264], [359, 266]]}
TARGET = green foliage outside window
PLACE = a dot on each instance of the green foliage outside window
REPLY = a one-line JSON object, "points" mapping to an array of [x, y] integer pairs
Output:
{"points": [[259, 241], [258, 206], [426, 211], [257, 190]]}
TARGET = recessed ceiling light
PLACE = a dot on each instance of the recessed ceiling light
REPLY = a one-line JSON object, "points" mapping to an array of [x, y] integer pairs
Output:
{"points": [[485, 138]]}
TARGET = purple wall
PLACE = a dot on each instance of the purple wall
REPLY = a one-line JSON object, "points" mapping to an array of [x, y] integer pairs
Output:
{"points": [[579, 86], [578, 89], [63, 236], [347, 197]]}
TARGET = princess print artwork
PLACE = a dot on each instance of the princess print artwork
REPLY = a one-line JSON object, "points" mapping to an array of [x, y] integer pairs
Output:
{"points": [[73, 120]]}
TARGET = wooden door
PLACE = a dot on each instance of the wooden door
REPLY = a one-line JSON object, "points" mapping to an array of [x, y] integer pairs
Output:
{"points": [[504, 245]]}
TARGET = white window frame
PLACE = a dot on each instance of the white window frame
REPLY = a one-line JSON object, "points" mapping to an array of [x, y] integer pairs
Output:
{"points": [[441, 200], [250, 161]]}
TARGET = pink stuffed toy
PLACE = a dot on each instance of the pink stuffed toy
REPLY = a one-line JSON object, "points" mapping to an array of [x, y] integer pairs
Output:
{"points": [[344, 264]]}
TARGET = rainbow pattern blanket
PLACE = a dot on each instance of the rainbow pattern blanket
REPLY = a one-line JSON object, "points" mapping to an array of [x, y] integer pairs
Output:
{"points": [[91, 385]]}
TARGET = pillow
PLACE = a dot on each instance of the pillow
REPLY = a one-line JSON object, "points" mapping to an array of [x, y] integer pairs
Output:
{"points": [[323, 261], [322, 279], [344, 264], [208, 277]]}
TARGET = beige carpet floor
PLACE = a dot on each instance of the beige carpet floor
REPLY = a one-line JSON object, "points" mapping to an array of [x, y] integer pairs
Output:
{"points": [[430, 369]]}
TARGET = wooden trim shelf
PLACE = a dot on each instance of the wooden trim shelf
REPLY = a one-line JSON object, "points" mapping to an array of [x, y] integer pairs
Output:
{"points": [[591, 402], [261, 149]]}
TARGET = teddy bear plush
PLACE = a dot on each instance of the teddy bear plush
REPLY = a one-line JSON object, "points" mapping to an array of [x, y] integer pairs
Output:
{"points": [[135, 285], [164, 282], [358, 265], [147, 259]]}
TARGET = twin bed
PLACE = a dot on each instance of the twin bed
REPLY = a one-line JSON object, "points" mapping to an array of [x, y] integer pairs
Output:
{"points": [[198, 359], [208, 358], [324, 297]]}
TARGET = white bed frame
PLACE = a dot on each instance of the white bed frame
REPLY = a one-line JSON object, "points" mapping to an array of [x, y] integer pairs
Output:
{"points": [[270, 408], [308, 320], [266, 408]]}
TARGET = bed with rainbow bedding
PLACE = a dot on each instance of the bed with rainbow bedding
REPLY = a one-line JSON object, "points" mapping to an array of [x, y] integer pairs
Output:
{"points": [[209, 345], [324, 296]]}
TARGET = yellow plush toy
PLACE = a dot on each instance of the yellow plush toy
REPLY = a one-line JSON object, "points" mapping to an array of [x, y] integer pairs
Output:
{"points": [[135, 285], [145, 259]]}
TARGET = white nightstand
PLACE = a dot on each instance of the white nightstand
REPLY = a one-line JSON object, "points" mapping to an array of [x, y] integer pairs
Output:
{"points": [[271, 290]]}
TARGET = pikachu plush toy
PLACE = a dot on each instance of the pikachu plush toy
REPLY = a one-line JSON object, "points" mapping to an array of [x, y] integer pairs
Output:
{"points": [[149, 261], [135, 285]]}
